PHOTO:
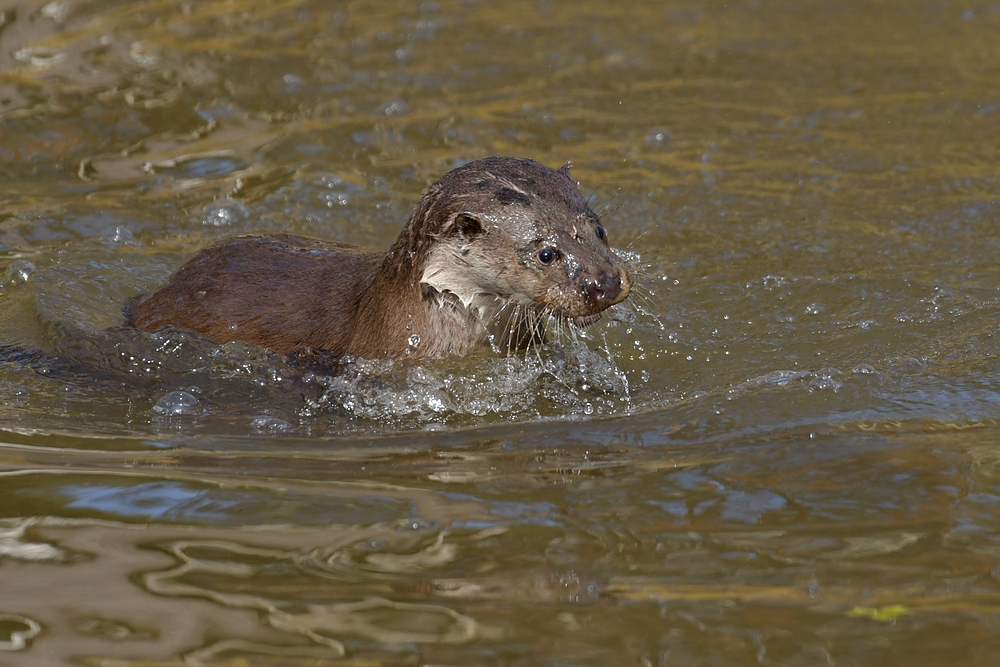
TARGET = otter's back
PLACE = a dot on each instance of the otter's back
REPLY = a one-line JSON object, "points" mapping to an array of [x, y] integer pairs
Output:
{"points": [[281, 291]]}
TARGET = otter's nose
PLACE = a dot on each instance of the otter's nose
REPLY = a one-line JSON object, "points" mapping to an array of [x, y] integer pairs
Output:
{"points": [[606, 288]]}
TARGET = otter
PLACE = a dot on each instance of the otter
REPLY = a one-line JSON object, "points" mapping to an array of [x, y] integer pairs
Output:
{"points": [[488, 254]]}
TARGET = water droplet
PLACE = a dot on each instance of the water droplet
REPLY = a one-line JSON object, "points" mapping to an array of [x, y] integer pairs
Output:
{"points": [[414, 340]]}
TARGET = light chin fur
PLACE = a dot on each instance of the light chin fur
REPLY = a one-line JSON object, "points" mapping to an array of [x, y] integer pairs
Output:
{"points": [[451, 283]]}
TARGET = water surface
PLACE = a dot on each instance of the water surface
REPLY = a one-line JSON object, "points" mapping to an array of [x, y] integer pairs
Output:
{"points": [[783, 450]]}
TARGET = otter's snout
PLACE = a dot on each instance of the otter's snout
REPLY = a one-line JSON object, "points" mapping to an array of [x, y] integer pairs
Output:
{"points": [[606, 289]]}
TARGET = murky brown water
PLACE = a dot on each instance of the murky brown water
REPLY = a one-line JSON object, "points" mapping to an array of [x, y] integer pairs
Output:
{"points": [[783, 451]]}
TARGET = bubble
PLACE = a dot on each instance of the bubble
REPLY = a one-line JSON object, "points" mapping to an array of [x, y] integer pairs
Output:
{"points": [[137, 51], [57, 11], [336, 191], [771, 281], [13, 393], [178, 403], [269, 424], [395, 107], [19, 271], [293, 83], [225, 212], [659, 137], [329, 181], [824, 380], [21, 631], [39, 56], [814, 309], [122, 236]]}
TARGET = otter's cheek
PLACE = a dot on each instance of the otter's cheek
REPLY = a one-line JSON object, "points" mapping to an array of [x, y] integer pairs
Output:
{"points": [[572, 266], [522, 285], [563, 297]]}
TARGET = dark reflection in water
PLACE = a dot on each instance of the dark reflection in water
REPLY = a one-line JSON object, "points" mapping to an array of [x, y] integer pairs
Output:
{"points": [[782, 450]]}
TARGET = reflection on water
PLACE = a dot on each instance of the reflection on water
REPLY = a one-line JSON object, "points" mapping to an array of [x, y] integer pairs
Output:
{"points": [[781, 450], [506, 549]]}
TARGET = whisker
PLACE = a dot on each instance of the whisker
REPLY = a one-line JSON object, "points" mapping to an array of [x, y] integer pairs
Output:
{"points": [[643, 304], [539, 340], [486, 327], [636, 239], [531, 324], [508, 326], [567, 329], [515, 324], [557, 326], [605, 209], [512, 313]]}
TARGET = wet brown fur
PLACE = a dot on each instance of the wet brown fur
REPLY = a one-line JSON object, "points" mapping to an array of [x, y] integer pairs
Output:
{"points": [[463, 272]]}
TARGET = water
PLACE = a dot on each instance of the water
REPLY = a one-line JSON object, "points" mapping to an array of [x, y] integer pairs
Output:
{"points": [[781, 451]]}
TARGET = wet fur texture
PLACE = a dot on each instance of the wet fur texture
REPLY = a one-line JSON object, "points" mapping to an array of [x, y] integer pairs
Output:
{"points": [[464, 272]]}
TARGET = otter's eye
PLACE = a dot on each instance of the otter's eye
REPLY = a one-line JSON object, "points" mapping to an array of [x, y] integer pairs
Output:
{"points": [[546, 256], [600, 232]]}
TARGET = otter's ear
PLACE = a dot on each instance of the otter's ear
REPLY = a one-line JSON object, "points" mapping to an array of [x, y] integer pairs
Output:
{"points": [[466, 225], [564, 170]]}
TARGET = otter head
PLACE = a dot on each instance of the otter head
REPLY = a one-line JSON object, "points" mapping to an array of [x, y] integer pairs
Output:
{"points": [[508, 232]]}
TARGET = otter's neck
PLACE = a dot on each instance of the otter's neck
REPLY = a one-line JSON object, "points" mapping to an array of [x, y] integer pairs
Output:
{"points": [[396, 315], [408, 309]]}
